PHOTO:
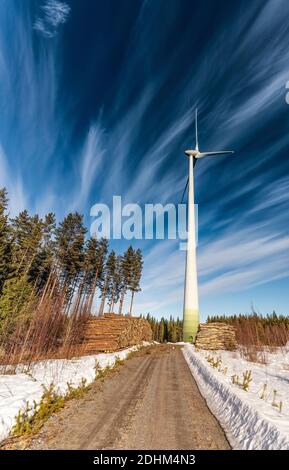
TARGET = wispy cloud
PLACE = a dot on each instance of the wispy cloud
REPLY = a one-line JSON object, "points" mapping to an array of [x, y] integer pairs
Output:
{"points": [[80, 124], [14, 186], [89, 165], [54, 13]]}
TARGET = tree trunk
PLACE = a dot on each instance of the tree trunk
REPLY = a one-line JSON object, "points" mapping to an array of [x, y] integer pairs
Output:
{"points": [[131, 302], [111, 303], [91, 293], [71, 295], [101, 308], [76, 309], [121, 302], [53, 287], [45, 289]]}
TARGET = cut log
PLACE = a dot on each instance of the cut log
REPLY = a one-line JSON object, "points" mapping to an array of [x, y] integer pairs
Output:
{"points": [[216, 336], [111, 332]]}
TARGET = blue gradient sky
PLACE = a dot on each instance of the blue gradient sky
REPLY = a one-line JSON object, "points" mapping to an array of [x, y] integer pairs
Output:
{"points": [[97, 98]]}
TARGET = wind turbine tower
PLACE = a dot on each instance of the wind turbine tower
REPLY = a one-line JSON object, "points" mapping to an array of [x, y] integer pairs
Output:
{"points": [[191, 302]]}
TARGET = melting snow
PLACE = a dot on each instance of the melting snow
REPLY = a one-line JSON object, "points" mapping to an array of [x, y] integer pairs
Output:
{"points": [[28, 382]]}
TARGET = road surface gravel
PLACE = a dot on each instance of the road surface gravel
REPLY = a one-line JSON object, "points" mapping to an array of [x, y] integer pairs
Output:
{"points": [[149, 402]]}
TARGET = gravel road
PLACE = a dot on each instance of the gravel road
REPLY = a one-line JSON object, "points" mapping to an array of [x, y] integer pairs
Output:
{"points": [[150, 402]]}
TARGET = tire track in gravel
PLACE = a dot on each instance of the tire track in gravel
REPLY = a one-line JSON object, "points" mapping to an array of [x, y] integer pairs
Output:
{"points": [[150, 402]]}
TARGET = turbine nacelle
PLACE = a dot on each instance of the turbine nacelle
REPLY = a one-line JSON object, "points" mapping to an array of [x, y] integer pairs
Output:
{"points": [[191, 153], [196, 152]]}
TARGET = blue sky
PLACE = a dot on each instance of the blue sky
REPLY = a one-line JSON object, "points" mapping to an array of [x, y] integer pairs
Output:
{"points": [[97, 99]]}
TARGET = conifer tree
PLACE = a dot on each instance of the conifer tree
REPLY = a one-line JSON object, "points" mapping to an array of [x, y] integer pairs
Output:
{"points": [[90, 263], [113, 279], [5, 240], [26, 239], [136, 275], [126, 269], [166, 330], [95, 255], [70, 251], [44, 267], [44, 260], [15, 305]]}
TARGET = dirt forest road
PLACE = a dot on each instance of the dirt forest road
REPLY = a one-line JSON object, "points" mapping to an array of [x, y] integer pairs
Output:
{"points": [[149, 402]]}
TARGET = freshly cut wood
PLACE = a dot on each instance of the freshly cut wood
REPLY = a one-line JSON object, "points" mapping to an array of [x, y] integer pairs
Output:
{"points": [[216, 336], [111, 332]]}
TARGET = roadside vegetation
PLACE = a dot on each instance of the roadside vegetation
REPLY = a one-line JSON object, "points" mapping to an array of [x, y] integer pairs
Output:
{"points": [[257, 330], [50, 275], [30, 419], [166, 330], [252, 330]]}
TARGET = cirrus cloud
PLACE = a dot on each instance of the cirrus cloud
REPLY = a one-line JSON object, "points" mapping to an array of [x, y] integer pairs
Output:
{"points": [[53, 14]]}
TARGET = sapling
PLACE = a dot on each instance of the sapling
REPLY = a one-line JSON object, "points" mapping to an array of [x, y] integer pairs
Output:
{"points": [[97, 368], [216, 363], [247, 378], [264, 392], [280, 406], [235, 379], [209, 358], [274, 402]]}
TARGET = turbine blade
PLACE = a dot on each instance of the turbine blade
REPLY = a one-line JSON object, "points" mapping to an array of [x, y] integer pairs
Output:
{"points": [[212, 154], [196, 127], [185, 190]]}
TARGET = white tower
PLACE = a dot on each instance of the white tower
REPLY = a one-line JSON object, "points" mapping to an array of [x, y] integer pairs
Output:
{"points": [[191, 302]]}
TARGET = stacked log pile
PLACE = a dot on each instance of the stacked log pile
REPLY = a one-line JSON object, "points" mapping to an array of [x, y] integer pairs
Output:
{"points": [[111, 332], [216, 336]]}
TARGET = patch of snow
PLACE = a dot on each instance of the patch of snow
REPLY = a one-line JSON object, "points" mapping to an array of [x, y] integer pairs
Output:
{"points": [[178, 343], [248, 421], [26, 385]]}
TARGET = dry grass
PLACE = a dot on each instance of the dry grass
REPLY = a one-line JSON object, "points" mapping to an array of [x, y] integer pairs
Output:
{"points": [[256, 339], [51, 332], [254, 333], [254, 354], [255, 330], [257, 335]]}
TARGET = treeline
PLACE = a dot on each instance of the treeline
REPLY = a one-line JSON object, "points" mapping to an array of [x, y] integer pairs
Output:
{"points": [[50, 274], [166, 330], [257, 330]]}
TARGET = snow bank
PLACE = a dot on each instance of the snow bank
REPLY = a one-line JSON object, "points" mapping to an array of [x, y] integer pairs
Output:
{"points": [[249, 421], [28, 382]]}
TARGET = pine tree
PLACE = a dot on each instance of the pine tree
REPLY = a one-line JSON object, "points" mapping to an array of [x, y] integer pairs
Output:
{"points": [[166, 330], [70, 251], [15, 305], [26, 239], [136, 275], [95, 255], [5, 240], [44, 260], [161, 333], [90, 263], [126, 268], [113, 279]]}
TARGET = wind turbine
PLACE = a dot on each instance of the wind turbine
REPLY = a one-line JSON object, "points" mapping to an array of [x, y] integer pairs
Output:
{"points": [[191, 304]]}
